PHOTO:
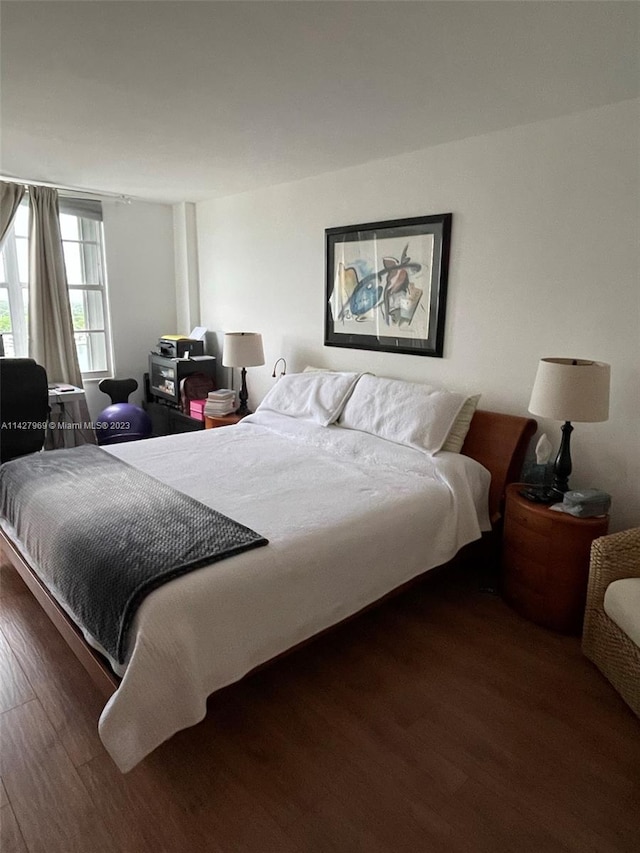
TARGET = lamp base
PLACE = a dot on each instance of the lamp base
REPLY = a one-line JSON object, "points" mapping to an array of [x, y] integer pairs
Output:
{"points": [[562, 465], [243, 410]]}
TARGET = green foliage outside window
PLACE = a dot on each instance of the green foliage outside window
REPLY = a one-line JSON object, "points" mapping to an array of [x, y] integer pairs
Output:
{"points": [[77, 313], [5, 317]]}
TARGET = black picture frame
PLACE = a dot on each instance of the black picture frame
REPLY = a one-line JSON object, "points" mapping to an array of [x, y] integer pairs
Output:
{"points": [[386, 285]]}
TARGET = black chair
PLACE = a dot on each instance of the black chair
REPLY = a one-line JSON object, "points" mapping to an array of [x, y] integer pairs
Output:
{"points": [[24, 407]]}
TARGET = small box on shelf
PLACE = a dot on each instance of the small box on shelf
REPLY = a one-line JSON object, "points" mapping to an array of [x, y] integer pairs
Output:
{"points": [[196, 409]]}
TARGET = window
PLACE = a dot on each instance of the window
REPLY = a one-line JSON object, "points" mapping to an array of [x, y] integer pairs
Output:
{"points": [[83, 248], [82, 243], [14, 296]]}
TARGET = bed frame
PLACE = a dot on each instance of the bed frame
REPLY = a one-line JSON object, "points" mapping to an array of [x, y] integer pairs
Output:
{"points": [[497, 441]]}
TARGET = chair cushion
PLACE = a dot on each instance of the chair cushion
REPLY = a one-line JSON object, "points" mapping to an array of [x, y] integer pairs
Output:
{"points": [[622, 605]]}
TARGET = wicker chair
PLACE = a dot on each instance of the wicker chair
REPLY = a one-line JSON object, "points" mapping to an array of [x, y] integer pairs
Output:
{"points": [[613, 557]]}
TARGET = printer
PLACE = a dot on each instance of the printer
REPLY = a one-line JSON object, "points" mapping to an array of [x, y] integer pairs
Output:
{"points": [[177, 346]]}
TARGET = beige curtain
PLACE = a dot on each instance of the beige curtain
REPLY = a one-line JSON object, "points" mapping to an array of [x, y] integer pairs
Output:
{"points": [[51, 340], [10, 197]]}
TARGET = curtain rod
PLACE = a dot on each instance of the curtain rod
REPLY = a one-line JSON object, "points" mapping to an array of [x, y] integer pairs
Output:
{"points": [[124, 199]]}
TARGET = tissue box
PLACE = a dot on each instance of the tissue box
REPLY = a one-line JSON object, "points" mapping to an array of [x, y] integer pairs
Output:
{"points": [[586, 503], [196, 409]]}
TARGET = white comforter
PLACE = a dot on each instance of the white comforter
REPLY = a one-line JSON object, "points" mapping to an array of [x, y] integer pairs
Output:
{"points": [[348, 517]]}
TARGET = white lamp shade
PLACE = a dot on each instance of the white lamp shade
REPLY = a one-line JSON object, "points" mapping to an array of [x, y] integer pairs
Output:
{"points": [[571, 389], [242, 349]]}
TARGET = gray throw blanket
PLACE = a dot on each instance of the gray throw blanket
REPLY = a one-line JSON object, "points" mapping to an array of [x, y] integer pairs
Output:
{"points": [[104, 534]]}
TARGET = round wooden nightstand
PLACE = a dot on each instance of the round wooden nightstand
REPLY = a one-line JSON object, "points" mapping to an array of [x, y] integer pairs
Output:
{"points": [[545, 562], [224, 420]]}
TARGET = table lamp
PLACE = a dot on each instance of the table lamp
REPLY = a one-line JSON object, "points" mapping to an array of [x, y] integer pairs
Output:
{"points": [[242, 349], [569, 389]]}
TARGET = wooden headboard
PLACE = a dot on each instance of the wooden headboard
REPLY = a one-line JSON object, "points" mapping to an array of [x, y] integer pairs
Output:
{"points": [[499, 442]]}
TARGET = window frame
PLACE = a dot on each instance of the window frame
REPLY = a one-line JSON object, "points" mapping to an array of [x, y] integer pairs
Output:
{"points": [[19, 331], [101, 287], [16, 288]]}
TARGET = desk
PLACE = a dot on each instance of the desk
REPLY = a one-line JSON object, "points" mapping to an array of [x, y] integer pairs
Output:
{"points": [[56, 396], [166, 420]]}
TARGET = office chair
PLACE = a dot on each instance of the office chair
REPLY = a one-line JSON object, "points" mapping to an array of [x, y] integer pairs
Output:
{"points": [[24, 407]]}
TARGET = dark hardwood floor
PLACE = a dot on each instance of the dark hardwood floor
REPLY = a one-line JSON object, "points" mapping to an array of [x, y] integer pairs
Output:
{"points": [[440, 721]]}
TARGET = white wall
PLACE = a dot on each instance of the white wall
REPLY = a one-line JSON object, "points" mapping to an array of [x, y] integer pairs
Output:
{"points": [[544, 263], [139, 255]]}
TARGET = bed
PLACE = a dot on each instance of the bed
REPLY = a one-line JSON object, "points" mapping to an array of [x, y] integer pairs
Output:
{"points": [[350, 517]]}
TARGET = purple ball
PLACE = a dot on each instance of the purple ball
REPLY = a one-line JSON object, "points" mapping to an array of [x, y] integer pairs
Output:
{"points": [[122, 422]]}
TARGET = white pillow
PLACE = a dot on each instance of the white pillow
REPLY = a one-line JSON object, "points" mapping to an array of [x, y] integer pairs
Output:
{"points": [[317, 397], [460, 428], [404, 412]]}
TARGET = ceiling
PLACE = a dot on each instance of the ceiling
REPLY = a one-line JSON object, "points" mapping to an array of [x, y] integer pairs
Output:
{"points": [[181, 101]]}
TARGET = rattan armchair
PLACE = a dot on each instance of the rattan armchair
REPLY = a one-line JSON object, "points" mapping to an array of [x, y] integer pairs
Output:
{"points": [[613, 557]]}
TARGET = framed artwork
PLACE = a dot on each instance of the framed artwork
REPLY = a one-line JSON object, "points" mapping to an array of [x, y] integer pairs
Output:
{"points": [[387, 285]]}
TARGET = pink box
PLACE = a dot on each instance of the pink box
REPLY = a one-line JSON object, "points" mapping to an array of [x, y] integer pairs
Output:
{"points": [[196, 409]]}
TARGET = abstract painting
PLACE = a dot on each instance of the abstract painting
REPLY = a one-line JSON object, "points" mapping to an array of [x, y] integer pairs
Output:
{"points": [[386, 285]]}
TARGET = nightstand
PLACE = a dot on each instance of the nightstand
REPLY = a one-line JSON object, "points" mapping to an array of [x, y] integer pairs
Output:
{"points": [[545, 562], [224, 420]]}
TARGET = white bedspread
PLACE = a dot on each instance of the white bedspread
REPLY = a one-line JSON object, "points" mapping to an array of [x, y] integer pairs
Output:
{"points": [[348, 516]]}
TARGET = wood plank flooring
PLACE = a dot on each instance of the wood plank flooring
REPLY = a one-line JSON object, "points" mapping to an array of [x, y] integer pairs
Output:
{"points": [[439, 722]]}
